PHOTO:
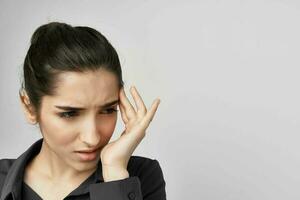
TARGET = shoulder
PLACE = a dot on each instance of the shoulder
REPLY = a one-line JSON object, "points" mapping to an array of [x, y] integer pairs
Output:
{"points": [[139, 165], [5, 165], [149, 173]]}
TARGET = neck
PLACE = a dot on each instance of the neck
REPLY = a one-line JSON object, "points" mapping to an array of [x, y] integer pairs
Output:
{"points": [[48, 164]]}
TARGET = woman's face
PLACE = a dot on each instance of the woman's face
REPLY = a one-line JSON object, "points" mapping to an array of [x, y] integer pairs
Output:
{"points": [[68, 130]]}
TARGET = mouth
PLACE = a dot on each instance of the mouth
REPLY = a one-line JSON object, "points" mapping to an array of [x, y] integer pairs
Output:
{"points": [[88, 150], [87, 155]]}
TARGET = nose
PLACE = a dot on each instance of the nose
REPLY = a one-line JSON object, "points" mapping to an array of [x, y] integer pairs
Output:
{"points": [[89, 134]]}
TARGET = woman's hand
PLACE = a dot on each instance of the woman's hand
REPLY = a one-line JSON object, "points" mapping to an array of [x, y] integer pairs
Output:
{"points": [[115, 155]]}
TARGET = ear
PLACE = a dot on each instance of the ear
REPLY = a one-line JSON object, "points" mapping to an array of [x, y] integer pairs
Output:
{"points": [[28, 109]]}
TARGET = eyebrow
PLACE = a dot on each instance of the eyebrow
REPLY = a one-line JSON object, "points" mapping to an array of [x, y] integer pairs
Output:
{"points": [[79, 108]]}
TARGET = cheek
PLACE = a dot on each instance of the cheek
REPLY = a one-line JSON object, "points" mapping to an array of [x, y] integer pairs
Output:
{"points": [[106, 128], [57, 132]]}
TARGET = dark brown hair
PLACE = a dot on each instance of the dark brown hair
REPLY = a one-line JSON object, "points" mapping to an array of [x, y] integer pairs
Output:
{"points": [[59, 47]]}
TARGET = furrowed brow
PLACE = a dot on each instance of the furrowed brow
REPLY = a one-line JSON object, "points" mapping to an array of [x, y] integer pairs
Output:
{"points": [[108, 104]]}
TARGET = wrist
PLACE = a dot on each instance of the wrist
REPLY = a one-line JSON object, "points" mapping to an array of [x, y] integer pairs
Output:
{"points": [[111, 173]]}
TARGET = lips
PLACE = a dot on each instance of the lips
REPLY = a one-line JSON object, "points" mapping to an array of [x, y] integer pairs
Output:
{"points": [[87, 151], [87, 155]]}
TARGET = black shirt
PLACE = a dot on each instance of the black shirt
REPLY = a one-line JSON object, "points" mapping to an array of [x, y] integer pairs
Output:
{"points": [[146, 181]]}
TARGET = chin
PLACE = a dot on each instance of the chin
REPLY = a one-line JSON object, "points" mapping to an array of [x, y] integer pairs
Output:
{"points": [[83, 166]]}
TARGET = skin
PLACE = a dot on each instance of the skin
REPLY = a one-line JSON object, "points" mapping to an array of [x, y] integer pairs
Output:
{"points": [[92, 127]]}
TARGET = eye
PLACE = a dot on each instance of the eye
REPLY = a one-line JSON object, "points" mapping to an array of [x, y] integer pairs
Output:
{"points": [[71, 114], [110, 111], [68, 114]]}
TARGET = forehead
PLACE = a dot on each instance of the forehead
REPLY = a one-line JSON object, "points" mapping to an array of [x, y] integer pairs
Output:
{"points": [[89, 88]]}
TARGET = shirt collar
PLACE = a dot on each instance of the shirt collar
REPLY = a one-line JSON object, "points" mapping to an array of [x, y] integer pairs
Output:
{"points": [[13, 182]]}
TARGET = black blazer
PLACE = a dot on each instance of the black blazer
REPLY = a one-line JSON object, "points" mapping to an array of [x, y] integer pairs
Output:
{"points": [[145, 182]]}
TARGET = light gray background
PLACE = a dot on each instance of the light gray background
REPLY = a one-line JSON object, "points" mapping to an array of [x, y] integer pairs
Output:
{"points": [[227, 73]]}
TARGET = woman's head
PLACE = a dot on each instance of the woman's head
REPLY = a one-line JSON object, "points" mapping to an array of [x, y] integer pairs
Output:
{"points": [[69, 66], [58, 47]]}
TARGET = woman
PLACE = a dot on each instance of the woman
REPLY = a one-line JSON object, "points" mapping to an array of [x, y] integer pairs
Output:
{"points": [[72, 88]]}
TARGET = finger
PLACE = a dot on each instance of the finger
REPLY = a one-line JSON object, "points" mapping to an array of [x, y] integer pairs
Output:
{"points": [[123, 114], [150, 114], [129, 110], [141, 108]]}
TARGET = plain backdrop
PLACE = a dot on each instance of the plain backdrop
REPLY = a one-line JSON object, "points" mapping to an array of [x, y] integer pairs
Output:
{"points": [[227, 73]]}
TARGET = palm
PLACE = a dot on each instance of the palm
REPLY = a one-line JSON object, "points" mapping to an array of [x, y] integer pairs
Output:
{"points": [[118, 152]]}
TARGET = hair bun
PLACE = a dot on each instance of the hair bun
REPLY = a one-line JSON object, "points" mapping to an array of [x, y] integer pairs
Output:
{"points": [[41, 31]]}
